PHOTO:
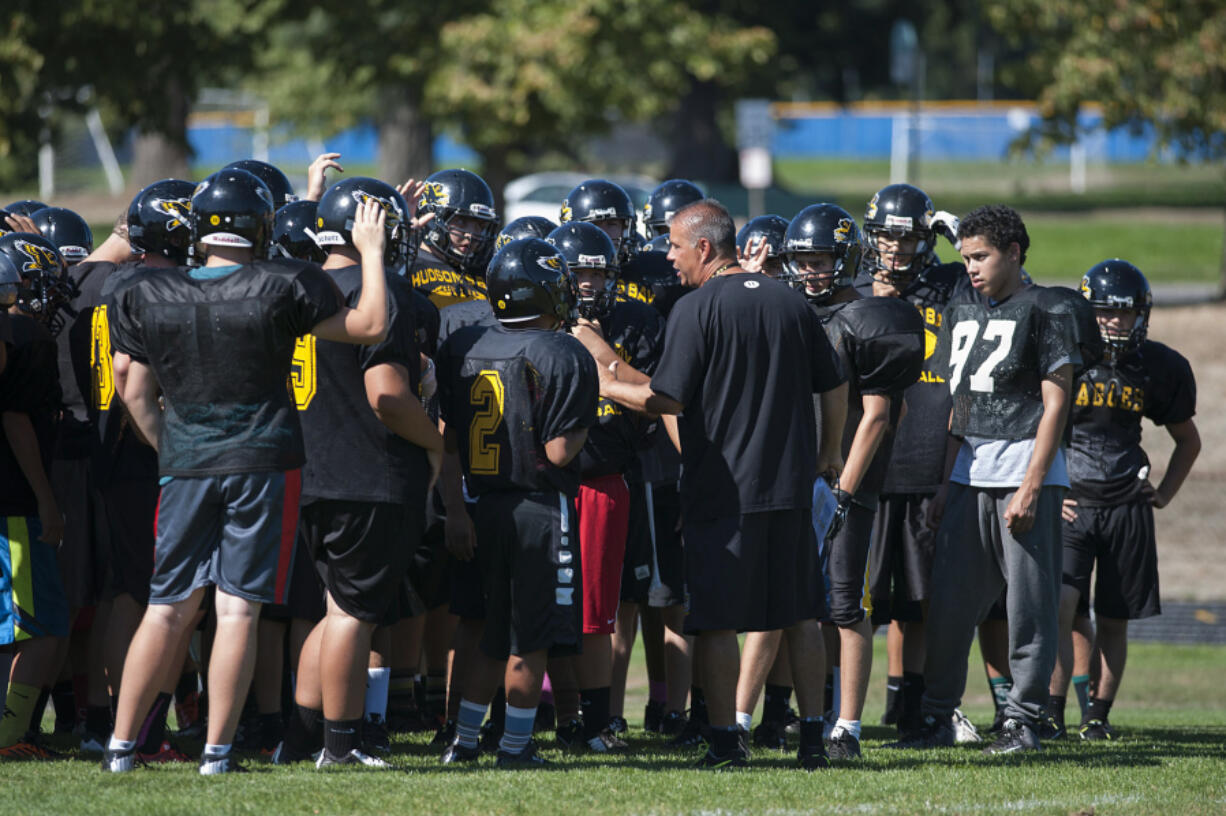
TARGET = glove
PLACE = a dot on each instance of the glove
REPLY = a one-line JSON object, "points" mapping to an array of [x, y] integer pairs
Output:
{"points": [[429, 382], [946, 223], [840, 513]]}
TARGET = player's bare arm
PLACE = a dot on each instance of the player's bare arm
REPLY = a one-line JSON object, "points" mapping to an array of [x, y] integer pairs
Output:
{"points": [[869, 433], [1019, 515], [140, 397], [397, 407], [1187, 448], [561, 449], [365, 323], [830, 446]]}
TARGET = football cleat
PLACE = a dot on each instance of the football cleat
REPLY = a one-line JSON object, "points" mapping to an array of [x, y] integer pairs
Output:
{"points": [[282, 755], [166, 753], [92, 743], [570, 736], [1050, 728], [711, 761], [772, 735], [606, 742], [375, 736], [27, 750], [618, 725], [933, 733], [842, 744], [353, 757], [527, 758], [672, 724], [115, 761], [1015, 736], [653, 716], [445, 734], [457, 754], [964, 730], [215, 765], [1096, 730], [694, 734]]}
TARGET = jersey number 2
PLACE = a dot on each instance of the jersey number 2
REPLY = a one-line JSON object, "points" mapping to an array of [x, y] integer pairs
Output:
{"points": [[965, 335], [488, 394]]}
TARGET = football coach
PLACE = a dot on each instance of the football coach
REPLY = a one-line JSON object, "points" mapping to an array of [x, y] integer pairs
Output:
{"points": [[742, 357]]}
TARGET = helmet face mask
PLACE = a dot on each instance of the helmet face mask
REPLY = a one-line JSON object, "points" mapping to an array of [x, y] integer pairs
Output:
{"points": [[897, 216], [607, 206], [451, 194], [43, 288], [1114, 287], [816, 231], [590, 255]]}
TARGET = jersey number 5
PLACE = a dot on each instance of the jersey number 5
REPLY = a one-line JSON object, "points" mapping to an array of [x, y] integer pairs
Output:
{"points": [[965, 335], [488, 394], [100, 360], [302, 379]]}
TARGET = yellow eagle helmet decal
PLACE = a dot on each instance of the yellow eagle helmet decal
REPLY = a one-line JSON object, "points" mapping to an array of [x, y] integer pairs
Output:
{"points": [[871, 212], [567, 213], [40, 258], [1085, 286], [553, 263], [842, 233], [434, 194], [390, 207]]}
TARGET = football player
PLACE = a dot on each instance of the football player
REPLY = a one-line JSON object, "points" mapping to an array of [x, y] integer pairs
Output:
{"points": [[1109, 513], [664, 201], [901, 227], [218, 342], [367, 441], [880, 342], [272, 176], [608, 206], [759, 244], [518, 399], [1008, 361], [457, 242]]}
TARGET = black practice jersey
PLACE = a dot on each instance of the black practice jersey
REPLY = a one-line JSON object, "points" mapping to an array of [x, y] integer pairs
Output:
{"points": [[506, 392], [442, 283], [636, 333], [221, 343], [744, 354], [995, 357], [29, 385], [464, 313], [880, 343], [1105, 457], [350, 454], [426, 319], [75, 436], [917, 461]]}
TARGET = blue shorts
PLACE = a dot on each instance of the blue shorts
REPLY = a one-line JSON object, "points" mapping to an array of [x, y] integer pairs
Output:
{"points": [[236, 532], [32, 600]]}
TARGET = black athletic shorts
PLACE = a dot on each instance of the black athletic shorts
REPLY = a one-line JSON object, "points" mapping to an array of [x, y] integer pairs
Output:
{"points": [[533, 578], [1120, 538], [845, 569], [125, 516], [900, 560], [637, 564], [668, 565], [428, 569], [306, 590], [361, 551], [82, 564], [752, 572]]}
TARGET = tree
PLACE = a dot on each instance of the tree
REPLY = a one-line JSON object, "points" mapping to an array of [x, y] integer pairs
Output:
{"points": [[21, 61], [1157, 64], [529, 77]]}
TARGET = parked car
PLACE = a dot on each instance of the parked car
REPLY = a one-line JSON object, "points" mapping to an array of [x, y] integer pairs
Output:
{"points": [[542, 193]]}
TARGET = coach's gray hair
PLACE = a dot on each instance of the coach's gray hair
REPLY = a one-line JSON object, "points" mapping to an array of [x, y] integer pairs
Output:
{"points": [[708, 219]]}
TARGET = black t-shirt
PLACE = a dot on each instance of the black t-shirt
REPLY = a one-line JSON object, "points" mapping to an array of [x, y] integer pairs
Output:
{"points": [[29, 385], [350, 454], [880, 343], [995, 356], [507, 392], [221, 343], [917, 461], [442, 283], [744, 354], [1105, 456], [636, 332], [118, 454]]}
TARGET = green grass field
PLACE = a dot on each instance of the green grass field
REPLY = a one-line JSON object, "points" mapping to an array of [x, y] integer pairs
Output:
{"points": [[1170, 759]]}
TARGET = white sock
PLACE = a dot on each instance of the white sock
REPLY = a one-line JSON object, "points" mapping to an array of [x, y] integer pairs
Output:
{"points": [[377, 683], [217, 751], [120, 745], [744, 721], [850, 726]]}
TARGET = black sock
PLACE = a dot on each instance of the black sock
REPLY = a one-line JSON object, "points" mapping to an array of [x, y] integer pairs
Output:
{"points": [[894, 694], [828, 700], [98, 720], [1055, 707], [156, 725], [272, 730], [304, 731], [1098, 709], [595, 705], [725, 741], [698, 705], [912, 691], [65, 703], [436, 693], [342, 736], [40, 707], [775, 704]]}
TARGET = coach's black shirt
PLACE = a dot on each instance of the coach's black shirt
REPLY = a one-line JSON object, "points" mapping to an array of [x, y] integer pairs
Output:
{"points": [[506, 392], [350, 454], [880, 343], [995, 356], [29, 385], [636, 332], [221, 341], [1105, 457], [744, 354]]}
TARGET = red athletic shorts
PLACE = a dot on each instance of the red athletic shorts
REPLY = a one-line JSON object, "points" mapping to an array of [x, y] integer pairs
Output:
{"points": [[604, 518]]}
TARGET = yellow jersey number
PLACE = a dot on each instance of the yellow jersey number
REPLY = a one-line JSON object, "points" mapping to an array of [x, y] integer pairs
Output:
{"points": [[302, 372], [100, 363], [488, 393]]}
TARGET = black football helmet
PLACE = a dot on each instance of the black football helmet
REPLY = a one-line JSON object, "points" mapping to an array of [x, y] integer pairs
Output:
{"points": [[233, 208], [10, 282], [599, 200], [1117, 284], [528, 226], [282, 191], [159, 219], [4, 226], [586, 246], [770, 228], [459, 193], [657, 244], [337, 207], [822, 228], [45, 288], [647, 274], [27, 206], [668, 197], [528, 279], [293, 232], [895, 212], [67, 231]]}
